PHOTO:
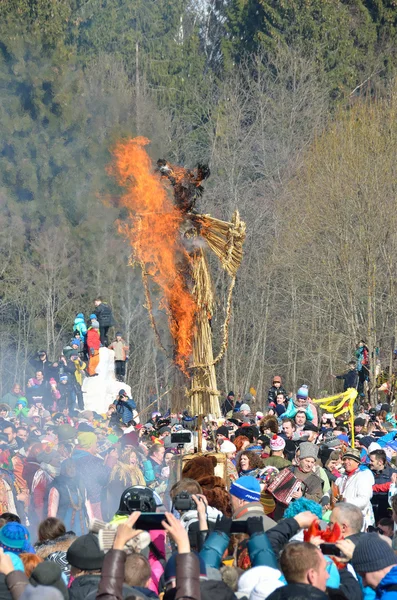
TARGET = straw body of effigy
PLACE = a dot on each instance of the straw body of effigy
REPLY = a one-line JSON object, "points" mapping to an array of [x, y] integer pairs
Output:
{"points": [[226, 241], [203, 394]]}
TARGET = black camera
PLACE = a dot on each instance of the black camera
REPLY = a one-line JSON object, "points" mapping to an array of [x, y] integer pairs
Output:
{"points": [[133, 499], [184, 501], [181, 438]]}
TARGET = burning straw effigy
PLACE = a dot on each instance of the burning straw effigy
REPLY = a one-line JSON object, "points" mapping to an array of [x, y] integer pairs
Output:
{"points": [[165, 231]]}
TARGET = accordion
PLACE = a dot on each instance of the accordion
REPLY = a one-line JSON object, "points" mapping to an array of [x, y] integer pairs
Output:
{"points": [[284, 485]]}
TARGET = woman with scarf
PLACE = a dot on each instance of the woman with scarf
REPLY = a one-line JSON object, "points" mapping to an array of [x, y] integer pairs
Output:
{"points": [[249, 463], [67, 498]]}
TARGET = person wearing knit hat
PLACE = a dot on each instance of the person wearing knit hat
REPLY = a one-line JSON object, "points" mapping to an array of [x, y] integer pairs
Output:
{"points": [[277, 457], [228, 448], [15, 538], [93, 344], [92, 470], [49, 573], [66, 433], [310, 432], [355, 485], [277, 443], [306, 456], [245, 495], [275, 389], [359, 425], [87, 441], [331, 441], [85, 555], [374, 559], [300, 403], [222, 433]]}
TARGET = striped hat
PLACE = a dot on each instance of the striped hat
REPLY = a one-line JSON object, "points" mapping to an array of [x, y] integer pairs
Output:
{"points": [[277, 443], [246, 488]]}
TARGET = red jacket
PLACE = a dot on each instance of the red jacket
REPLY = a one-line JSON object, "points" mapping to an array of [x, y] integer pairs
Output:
{"points": [[93, 339]]}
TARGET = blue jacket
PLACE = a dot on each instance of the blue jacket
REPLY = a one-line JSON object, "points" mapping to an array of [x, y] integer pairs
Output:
{"points": [[125, 409], [292, 410], [80, 326], [388, 581]]}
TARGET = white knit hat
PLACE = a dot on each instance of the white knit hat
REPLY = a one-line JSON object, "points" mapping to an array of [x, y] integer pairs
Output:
{"points": [[228, 446], [277, 443]]}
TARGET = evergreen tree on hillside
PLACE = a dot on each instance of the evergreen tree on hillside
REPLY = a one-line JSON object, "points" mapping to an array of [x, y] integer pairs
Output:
{"points": [[341, 35]]}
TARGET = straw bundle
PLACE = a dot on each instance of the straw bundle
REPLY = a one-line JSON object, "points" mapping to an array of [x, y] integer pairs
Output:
{"points": [[203, 393], [225, 239]]}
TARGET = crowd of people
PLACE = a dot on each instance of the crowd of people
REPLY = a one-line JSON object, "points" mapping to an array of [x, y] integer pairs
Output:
{"points": [[273, 500]]}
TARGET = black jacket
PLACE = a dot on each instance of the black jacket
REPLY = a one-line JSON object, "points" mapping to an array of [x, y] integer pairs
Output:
{"points": [[272, 393], [86, 587], [350, 379], [45, 367], [298, 591], [104, 315]]}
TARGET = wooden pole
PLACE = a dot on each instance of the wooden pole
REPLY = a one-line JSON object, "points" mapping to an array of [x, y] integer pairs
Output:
{"points": [[200, 433]]}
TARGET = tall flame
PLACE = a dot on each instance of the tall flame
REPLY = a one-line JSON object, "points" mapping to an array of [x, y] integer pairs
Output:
{"points": [[154, 234]]}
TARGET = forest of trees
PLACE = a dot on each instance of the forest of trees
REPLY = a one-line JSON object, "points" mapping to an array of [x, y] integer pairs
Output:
{"points": [[293, 104]]}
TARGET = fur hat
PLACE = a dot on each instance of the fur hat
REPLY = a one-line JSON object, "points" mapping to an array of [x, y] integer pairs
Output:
{"points": [[308, 450]]}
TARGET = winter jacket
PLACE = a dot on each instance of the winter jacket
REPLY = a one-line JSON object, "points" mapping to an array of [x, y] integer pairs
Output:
{"points": [[292, 410], [93, 339], [298, 591], [93, 472], [39, 393], [80, 326], [350, 379], [280, 535], [125, 409], [120, 349], [11, 399], [86, 587], [45, 367], [356, 488], [227, 406], [272, 393], [384, 591], [104, 315]]}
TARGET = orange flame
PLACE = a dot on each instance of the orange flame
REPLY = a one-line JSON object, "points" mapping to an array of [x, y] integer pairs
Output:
{"points": [[154, 234]]}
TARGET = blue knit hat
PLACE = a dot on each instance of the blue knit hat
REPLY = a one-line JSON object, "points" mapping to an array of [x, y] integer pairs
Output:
{"points": [[303, 392], [14, 537], [75, 341], [92, 316], [79, 316], [246, 488]]}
